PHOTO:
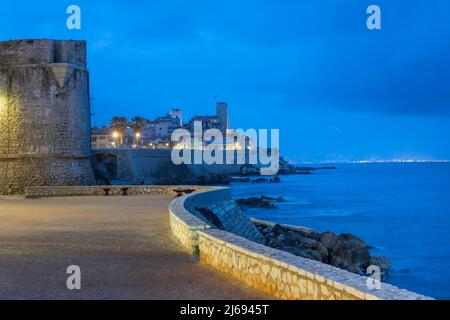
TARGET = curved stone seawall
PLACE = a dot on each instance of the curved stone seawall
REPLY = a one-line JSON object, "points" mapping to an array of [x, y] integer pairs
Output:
{"points": [[279, 273]]}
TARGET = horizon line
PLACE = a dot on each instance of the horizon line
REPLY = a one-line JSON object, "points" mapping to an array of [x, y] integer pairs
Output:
{"points": [[371, 161]]}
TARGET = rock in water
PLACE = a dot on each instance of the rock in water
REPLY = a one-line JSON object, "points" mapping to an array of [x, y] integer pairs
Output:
{"points": [[330, 240], [345, 251], [354, 251], [383, 263], [255, 202]]}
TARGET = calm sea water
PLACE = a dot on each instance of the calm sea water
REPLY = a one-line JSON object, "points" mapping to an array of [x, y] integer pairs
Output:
{"points": [[401, 209]]}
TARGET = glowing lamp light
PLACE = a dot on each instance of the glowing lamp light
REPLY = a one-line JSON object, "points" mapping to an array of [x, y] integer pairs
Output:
{"points": [[3, 105]]}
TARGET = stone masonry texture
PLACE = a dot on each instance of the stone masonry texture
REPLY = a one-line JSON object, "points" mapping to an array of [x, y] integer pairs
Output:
{"points": [[44, 115], [235, 221]]}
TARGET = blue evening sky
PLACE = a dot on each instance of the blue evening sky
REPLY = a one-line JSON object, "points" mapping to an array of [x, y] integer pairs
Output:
{"points": [[312, 69]]}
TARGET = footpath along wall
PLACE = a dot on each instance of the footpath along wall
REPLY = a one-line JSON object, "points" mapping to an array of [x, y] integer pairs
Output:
{"points": [[279, 273]]}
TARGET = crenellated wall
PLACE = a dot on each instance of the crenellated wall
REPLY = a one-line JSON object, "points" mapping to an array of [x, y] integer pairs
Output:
{"points": [[279, 273]]}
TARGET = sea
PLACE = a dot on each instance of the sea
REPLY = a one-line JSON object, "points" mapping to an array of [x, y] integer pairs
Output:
{"points": [[402, 210]]}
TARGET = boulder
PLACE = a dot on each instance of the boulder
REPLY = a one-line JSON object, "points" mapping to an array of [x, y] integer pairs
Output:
{"points": [[311, 254], [352, 240], [383, 263], [255, 202], [338, 261], [345, 251], [355, 250], [250, 170], [329, 240], [292, 239]]}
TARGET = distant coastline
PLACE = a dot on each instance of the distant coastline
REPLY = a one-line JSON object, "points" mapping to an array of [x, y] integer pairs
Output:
{"points": [[367, 161]]}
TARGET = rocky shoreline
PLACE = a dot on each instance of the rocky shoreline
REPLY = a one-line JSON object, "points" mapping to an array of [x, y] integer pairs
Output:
{"points": [[345, 251]]}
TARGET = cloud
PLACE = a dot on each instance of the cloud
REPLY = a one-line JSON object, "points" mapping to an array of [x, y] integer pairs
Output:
{"points": [[299, 65], [307, 52]]}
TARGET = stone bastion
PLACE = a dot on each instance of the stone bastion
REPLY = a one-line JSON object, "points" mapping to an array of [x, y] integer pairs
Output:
{"points": [[44, 114]]}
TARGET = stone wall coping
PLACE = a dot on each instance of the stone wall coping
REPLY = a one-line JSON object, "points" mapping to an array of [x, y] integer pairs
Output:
{"points": [[340, 279], [97, 190], [191, 221], [43, 156]]}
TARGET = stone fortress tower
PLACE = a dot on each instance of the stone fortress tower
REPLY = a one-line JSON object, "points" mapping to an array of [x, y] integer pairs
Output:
{"points": [[44, 115], [222, 115]]}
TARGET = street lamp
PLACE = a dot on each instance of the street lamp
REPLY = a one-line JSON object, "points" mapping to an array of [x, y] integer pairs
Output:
{"points": [[138, 135], [115, 136]]}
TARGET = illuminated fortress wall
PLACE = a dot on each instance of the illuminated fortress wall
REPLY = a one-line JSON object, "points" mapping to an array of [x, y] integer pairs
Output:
{"points": [[44, 115]]}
